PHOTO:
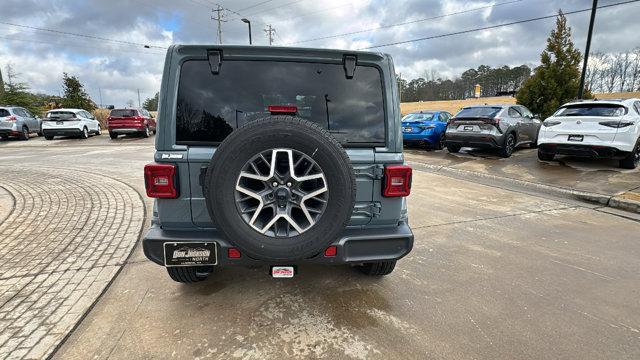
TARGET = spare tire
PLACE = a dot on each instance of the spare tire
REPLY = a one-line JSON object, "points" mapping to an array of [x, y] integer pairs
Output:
{"points": [[280, 188]]}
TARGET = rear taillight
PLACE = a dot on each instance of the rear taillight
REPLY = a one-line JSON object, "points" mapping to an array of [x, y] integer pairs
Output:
{"points": [[283, 109], [397, 181], [549, 123], [11, 118], [160, 181], [616, 123]]}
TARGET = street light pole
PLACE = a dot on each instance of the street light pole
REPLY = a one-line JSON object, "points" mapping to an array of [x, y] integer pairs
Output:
{"points": [[586, 51], [246, 21]]}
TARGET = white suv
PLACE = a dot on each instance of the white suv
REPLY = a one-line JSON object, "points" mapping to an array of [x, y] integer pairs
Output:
{"points": [[593, 128], [70, 122]]}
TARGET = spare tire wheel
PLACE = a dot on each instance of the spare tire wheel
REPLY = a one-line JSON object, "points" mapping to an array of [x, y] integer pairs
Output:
{"points": [[280, 188]]}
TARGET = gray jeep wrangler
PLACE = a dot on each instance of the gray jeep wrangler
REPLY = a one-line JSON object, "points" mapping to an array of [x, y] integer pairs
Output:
{"points": [[277, 157]]}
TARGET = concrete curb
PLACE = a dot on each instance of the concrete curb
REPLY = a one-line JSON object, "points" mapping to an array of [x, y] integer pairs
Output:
{"points": [[605, 200]]}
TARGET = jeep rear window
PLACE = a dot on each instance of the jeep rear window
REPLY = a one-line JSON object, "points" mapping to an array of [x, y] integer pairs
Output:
{"points": [[4, 113], [210, 106], [606, 110], [121, 113], [483, 111]]}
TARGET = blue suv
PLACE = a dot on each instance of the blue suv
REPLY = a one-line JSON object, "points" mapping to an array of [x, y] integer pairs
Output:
{"points": [[425, 128]]}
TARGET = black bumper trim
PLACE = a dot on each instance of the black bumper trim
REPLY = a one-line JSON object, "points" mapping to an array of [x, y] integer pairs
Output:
{"points": [[589, 151], [354, 247], [475, 141], [61, 132]]}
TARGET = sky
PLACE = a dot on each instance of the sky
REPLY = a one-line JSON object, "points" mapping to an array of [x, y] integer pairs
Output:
{"points": [[112, 62]]}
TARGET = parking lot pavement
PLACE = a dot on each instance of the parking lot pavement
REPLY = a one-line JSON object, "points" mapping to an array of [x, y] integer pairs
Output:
{"points": [[100, 140], [64, 234], [494, 274], [599, 176]]}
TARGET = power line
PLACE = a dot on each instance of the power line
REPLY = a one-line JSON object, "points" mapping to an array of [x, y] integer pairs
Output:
{"points": [[406, 22], [275, 7], [80, 46], [255, 5], [494, 26], [83, 35], [315, 12]]}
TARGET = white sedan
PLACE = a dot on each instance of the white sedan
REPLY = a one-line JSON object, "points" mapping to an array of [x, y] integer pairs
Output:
{"points": [[70, 122], [594, 128]]}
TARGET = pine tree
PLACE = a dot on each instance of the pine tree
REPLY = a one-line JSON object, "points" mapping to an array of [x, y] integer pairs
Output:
{"points": [[74, 94], [557, 79], [151, 104], [17, 93]]}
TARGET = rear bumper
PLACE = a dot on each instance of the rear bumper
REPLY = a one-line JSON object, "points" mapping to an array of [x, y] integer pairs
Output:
{"points": [[420, 138], [590, 151], [356, 246], [126, 130], [474, 140], [62, 132], [8, 132]]}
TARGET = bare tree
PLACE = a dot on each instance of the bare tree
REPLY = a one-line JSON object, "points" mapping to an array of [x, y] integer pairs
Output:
{"points": [[624, 63], [635, 70]]}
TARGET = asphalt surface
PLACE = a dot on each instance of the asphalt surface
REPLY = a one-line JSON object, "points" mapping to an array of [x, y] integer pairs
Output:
{"points": [[600, 176], [495, 274]]}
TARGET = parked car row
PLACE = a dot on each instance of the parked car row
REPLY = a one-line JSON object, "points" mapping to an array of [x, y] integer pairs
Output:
{"points": [[18, 122], [593, 128]]}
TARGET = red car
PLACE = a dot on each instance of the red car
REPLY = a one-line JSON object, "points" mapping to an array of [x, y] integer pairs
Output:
{"points": [[130, 121]]}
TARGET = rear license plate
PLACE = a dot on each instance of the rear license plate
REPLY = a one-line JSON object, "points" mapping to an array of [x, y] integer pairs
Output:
{"points": [[468, 128], [283, 272], [190, 253], [575, 137], [407, 129]]}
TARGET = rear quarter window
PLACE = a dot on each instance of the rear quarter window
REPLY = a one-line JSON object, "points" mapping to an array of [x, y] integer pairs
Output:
{"points": [[4, 113], [210, 107]]}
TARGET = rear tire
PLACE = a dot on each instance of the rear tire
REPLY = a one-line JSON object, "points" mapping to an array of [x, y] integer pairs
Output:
{"points": [[145, 133], [453, 148], [441, 143], [113, 135], [24, 135], [99, 131], [84, 134], [378, 268], [509, 146], [188, 274], [545, 156], [632, 160]]}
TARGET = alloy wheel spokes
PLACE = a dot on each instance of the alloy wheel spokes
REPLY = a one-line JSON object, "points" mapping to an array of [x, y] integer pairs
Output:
{"points": [[281, 192]]}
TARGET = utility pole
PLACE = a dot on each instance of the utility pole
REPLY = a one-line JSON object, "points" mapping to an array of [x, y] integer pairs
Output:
{"points": [[586, 51], [100, 95], [139, 98], [400, 86], [218, 17], [270, 31]]}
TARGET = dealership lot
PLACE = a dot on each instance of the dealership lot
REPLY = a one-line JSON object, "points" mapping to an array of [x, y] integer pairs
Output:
{"points": [[494, 273]]}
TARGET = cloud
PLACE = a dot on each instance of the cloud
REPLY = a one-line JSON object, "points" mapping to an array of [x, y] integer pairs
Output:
{"points": [[118, 70]]}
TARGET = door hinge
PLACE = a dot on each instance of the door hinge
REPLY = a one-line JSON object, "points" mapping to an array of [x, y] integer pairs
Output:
{"points": [[215, 61], [349, 63], [375, 172], [371, 209]]}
